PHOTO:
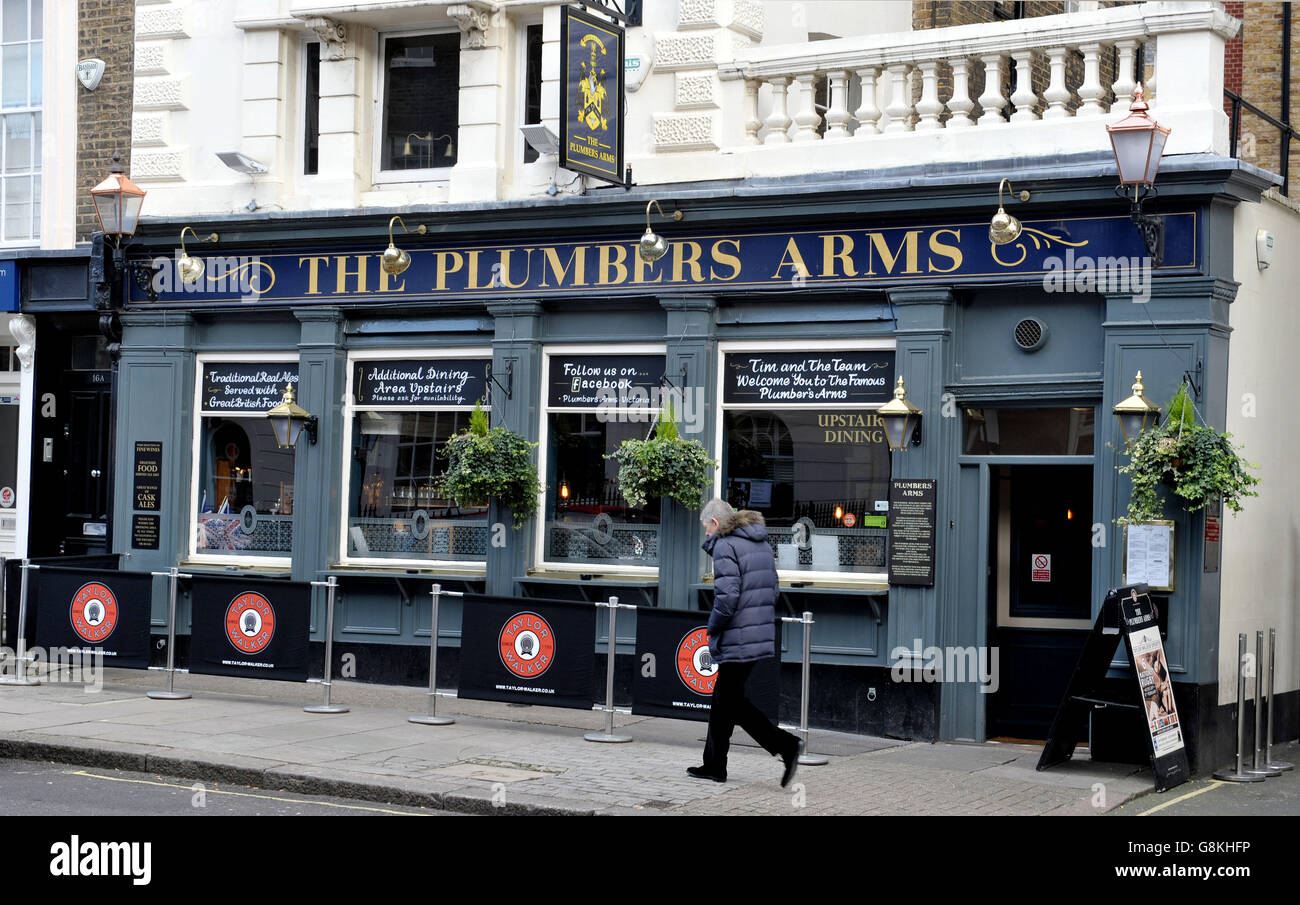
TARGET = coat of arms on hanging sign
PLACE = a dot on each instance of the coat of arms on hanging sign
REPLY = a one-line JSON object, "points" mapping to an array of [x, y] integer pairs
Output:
{"points": [[591, 98], [89, 72]]}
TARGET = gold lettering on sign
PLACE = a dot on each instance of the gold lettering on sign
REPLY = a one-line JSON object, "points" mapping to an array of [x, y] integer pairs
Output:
{"points": [[687, 254], [830, 255], [721, 257], [313, 272], [342, 274], [639, 268], [792, 259], [851, 427], [577, 260], [444, 259], [383, 283], [890, 258], [611, 270], [952, 252], [504, 272], [473, 271]]}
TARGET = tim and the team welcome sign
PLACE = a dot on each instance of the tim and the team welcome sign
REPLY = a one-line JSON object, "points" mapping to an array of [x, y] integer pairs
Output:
{"points": [[95, 611], [527, 651], [248, 628]]}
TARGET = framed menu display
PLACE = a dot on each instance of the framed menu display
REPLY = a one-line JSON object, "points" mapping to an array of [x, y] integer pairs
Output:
{"points": [[1149, 554]]}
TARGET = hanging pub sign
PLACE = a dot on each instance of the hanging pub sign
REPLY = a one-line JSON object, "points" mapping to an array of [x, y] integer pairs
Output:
{"points": [[1126, 611], [839, 256], [767, 378], [591, 95], [245, 386], [420, 381], [101, 611], [911, 535], [605, 381], [250, 628], [527, 651], [675, 673]]}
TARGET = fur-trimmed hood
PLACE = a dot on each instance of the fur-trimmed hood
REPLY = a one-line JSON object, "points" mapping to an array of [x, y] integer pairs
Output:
{"points": [[741, 518]]}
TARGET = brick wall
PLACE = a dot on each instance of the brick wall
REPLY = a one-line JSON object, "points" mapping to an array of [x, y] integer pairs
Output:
{"points": [[106, 30], [1261, 84]]}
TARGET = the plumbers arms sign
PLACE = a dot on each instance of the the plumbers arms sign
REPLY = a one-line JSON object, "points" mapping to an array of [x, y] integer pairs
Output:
{"points": [[591, 99], [949, 253]]}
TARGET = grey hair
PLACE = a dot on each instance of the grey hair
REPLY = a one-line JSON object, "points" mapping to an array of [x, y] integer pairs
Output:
{"points": [[715, 509]]}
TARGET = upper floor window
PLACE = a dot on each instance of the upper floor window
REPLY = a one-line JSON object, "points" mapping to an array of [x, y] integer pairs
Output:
{"points": [[20, 119], [420, 100], [532, 94], [311, 109]]}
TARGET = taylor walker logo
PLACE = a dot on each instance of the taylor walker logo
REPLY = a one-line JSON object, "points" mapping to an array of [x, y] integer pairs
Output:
{"points": [[94, 612], [103, 859], [250, 623], [527, 645], [695, 664], [946, 664], [1112, 276]]}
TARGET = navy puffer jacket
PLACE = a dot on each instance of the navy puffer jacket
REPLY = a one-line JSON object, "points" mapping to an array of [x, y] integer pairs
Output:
{"points": [[742, 626]]}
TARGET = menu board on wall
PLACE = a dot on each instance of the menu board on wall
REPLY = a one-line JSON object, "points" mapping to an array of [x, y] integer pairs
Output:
{"points": [[1149, 554], [245, 387], [911, 536], [592, 381], [420, 381], [855, 376]]}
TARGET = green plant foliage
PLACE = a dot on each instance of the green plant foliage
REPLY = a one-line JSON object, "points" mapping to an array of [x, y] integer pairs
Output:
{"points": [[1196, 462], [485, 463], [665, 466]]}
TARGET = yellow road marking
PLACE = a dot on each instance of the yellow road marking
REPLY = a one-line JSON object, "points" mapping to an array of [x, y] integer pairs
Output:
{"points": [[172, 785], [1214, 784]]}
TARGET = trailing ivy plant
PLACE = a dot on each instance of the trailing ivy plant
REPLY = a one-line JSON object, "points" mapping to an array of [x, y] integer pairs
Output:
{"points": [[663, 466], [1196, 462], [485, 463]]}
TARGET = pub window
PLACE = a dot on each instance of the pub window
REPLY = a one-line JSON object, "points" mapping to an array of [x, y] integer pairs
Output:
{"points": [[243, 481], [420, 100], [802, 445], [593, 403], [400, 414]]}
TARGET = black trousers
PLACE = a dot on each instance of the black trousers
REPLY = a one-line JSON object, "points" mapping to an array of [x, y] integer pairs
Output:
{"points": [[731, 708]]}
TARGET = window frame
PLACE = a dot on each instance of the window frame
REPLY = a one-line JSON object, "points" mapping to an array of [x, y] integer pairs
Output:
{"points": [[350, 412], [543, 451], [728, 347], [277, 563], [300, 119], [35, 172], [522, 26], [431, 175]]}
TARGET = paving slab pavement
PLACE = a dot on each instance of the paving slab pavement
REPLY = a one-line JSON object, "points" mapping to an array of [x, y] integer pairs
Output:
{"points": [[499, 758]]}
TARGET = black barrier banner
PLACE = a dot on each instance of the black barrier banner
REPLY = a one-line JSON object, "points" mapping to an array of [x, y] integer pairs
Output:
{"points": [[250, 628], [528, 651], [675, 671], [94, 610]]}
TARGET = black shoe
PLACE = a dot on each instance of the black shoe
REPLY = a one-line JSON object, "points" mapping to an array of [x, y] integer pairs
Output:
{"points": [[791, 759], [701, 773]]}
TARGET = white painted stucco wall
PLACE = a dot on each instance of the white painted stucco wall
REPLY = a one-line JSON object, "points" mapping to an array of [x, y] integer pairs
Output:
{"points": [[1261, 546]]}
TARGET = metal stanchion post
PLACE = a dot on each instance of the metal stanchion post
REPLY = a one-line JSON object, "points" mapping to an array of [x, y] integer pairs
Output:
{"points": [[20, 676], [1239, 775], [608, 735], [806, 758], [1257, 766], [1280, 765], [173, 576], [433, 719], [327, 707]]}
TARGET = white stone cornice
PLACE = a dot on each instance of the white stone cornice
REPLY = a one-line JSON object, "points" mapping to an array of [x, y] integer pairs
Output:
{"points": [[474, 19]]}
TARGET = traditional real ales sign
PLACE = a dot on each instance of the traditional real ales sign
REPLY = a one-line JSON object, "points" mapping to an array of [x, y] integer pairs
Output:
{"points": [[245, 387], [591, 97]]}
